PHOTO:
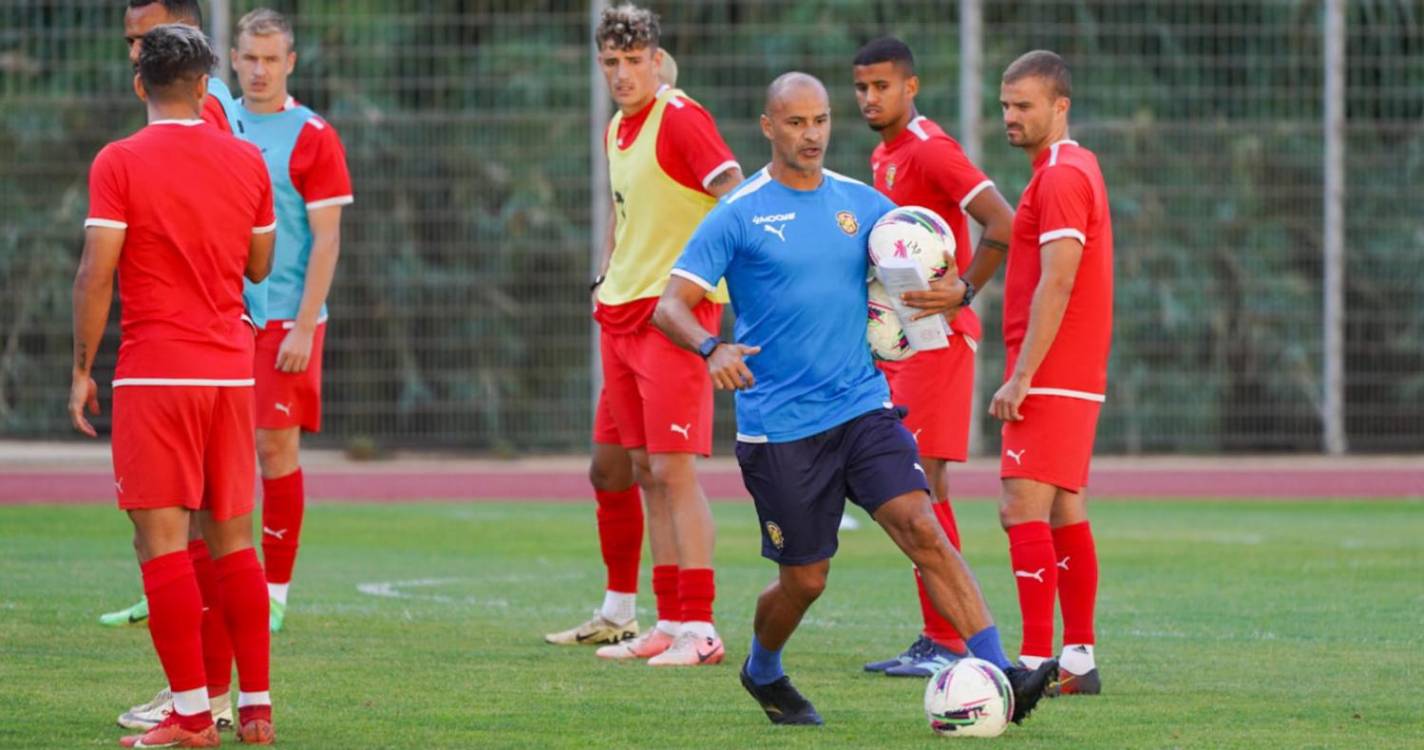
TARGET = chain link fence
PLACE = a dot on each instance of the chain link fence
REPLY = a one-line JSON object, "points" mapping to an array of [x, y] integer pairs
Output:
{"points": [[460, 313]]}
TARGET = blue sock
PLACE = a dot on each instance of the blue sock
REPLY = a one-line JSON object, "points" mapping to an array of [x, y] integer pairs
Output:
{"points": [[985, 645], [764, 666]]}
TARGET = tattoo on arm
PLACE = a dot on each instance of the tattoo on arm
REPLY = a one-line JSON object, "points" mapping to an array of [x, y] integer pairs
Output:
{"points": [[725, 180], [81, 356]]}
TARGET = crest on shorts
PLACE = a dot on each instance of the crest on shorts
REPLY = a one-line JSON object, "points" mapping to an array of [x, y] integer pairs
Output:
{"points": [[890, 177], [848, 224], [773, 532]]}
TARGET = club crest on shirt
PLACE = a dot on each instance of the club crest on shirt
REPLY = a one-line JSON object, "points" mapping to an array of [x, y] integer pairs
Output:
{"points": [[890, 177], [773, 532], [848, 224]]}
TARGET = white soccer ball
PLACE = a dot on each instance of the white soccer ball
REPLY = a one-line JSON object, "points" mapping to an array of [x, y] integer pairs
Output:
{"points": [[913, 234], [970, 698], [882, 327]]}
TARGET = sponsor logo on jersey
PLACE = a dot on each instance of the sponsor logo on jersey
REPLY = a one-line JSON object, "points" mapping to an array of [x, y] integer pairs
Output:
{"points": [[846, 221], [774, 218]]}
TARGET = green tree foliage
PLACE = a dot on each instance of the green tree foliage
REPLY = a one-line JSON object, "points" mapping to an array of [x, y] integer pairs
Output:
{"points": [[460, 316]]}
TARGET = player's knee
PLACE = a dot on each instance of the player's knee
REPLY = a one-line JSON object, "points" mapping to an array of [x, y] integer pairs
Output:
{"points": [[674, 472], [805, 583], [606, 478]]}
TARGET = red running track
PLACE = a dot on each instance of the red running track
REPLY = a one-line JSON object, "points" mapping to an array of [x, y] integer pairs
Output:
{"points": [[90, 486]]}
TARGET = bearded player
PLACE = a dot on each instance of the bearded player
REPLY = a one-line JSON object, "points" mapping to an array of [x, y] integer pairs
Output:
{"points": [[311, 186], [1058, 299], [182, 426], [667, 164], [918, 164]]}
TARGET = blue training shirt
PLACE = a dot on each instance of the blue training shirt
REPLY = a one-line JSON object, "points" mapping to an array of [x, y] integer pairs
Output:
{"points": [[795, 262], [308, 167], [254, 296]]}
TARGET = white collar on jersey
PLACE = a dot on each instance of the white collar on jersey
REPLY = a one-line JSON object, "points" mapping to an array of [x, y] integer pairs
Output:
{"points": [[184, 123]]}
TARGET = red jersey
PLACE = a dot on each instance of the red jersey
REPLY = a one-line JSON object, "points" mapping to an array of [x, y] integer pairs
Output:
{"points": [[923, 166], [189, 198], [1065, 198], [691, 151], [215, 115]]}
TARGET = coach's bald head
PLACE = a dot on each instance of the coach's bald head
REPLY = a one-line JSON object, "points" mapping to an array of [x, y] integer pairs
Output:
{"points": [[797, 121], [793, 85]]}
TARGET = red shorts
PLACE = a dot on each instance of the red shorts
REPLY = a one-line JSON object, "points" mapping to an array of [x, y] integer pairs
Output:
{"points": [[937, 387], [1053, 443], [657, 395], [187, 446], [604, 431], [287, 399]]}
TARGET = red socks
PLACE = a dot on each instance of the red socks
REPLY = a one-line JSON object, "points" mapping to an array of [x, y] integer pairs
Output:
{"points": [[936, 627], [696, 588], [665, 582], [1077, 580], [1036, 573], [217, 649], [283, 500], [175, 619], [245, 597], [620, 536]]}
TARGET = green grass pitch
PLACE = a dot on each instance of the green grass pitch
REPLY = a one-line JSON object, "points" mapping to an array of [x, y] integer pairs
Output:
{"points": [[1249, 625]]}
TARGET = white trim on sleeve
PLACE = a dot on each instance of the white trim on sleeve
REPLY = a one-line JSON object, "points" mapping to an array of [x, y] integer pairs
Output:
{"points": [[340, 200], [743, 438], [694, 278], [972, 194], [970, 342], [221, 383], [718, 170], [105, 223], [1058, 234], [1068, 393], [265, 230], [288, 325]]}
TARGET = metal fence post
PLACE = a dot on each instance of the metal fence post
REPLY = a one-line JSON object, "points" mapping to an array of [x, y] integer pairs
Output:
{"points": [[221, 34], [1334, 238], [598, 203], [971, 65]]}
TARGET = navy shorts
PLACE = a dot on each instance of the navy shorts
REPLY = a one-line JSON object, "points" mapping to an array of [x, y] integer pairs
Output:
{"points": [[800, 487]]}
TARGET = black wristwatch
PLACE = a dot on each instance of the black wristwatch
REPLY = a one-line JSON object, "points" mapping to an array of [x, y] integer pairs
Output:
{"points": [[708, 346], [969, 292], [595, 283]]}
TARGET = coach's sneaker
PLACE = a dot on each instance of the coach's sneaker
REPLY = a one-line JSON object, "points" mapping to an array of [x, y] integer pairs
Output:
{"points": [[645, 646], [134, 615], [932, 659], [1029, 685], [908, 656], [146, 716], [276, 615], [781, 701], [597, 630], [169, 733], [690, 650]]}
